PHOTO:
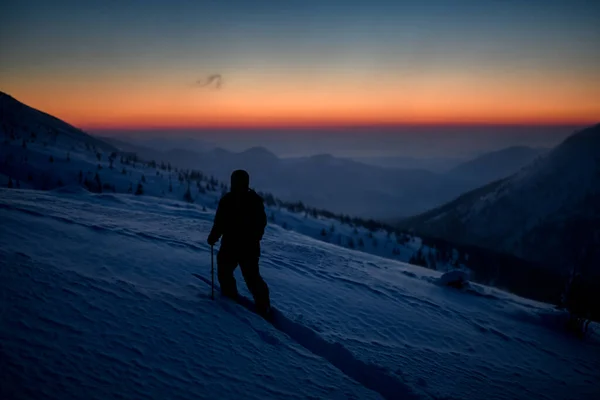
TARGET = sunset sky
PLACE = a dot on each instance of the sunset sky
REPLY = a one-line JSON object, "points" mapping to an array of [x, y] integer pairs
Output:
{"points": [[136, 64]]}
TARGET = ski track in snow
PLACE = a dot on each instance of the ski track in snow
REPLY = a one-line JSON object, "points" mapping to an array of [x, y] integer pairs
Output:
{"points": [[98, 302]]}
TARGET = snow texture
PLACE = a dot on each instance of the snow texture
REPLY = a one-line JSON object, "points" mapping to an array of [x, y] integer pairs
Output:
{"points": [[98, 301]]}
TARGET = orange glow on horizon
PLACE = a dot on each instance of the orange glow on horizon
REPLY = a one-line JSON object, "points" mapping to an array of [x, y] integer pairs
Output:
{"points": [[443, 99], [316, 124]]}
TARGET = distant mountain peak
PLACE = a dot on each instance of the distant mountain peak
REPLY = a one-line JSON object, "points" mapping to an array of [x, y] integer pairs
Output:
{"points": [[323, 157], [496, 164], [259, 151], [55, 130], [586, 136]]}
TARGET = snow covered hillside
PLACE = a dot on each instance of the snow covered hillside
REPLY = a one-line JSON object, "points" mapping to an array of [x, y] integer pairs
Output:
{"points": [[548, 212], [98, 301], [50, 154]]}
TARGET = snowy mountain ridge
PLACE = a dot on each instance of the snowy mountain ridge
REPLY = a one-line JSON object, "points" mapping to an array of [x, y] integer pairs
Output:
{"points": [[81, 160], [37, 126]]}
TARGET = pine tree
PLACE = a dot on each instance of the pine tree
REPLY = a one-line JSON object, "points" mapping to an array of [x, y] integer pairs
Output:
{"points": [[188, 195], [332, 228], [351, 243], [418, 259], [323, 232], [10, 183], [130, 189], [80, 176], [432, 263], [98, 182], [51, 159], [170, 186], [411, 260], [361, 242], [140, 189], [124, 172]]}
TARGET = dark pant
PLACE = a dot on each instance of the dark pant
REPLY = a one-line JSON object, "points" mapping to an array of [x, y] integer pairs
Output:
{"points": [[227, 262]]}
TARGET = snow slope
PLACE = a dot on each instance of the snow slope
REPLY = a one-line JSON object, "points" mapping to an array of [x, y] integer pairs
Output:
{"points": [[98, 302]]}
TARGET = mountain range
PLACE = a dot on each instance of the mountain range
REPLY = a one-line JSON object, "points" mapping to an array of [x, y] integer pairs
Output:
{"points": [[344, 185], [547, 212]]}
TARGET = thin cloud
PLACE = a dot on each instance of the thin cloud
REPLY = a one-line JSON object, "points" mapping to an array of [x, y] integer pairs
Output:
{"points": [[214, 81]]}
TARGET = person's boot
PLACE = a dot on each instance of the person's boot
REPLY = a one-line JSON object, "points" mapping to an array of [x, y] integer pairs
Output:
{"points": [[263, 308]]}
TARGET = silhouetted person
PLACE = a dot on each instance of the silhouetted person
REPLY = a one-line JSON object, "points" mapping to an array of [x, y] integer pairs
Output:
{"points": [[241, 220]]}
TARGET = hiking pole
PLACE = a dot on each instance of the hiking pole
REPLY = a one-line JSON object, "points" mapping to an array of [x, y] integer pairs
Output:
{"points": [[212, 273]]}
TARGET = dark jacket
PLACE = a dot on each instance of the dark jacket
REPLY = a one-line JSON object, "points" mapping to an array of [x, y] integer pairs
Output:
{"points": [[240, 220]]}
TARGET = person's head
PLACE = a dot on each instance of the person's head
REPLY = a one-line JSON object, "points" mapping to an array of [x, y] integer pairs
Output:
{"points": [[240, 181]]}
